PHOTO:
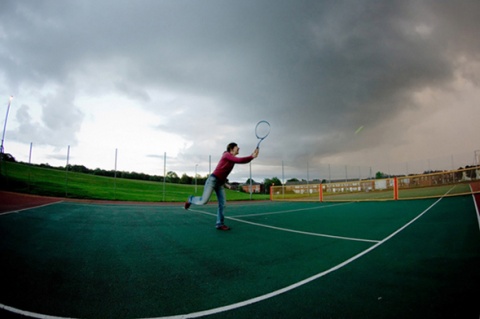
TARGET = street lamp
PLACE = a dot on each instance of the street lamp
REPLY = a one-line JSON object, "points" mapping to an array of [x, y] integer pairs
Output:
{"points": [[5, 124]]}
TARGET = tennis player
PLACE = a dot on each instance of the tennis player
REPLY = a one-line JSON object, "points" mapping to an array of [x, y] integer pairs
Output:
{"points": [[216, 181]]}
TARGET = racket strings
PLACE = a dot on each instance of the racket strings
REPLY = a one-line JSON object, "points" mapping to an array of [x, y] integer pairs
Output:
{"points": [[262, 130]]}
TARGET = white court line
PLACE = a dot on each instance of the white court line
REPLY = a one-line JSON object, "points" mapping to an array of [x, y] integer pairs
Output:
{"points": [[23, 209], [476, 206], [288, 229], [30, 314], [304, 233], [252, 300], [293, 210]]}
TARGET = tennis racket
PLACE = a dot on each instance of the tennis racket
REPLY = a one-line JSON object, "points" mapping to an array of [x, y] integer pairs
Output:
{"points": [[262, 130]]}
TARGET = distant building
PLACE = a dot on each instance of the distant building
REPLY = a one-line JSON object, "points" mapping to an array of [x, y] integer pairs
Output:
{"points": [[233, 186], [256, 187]]}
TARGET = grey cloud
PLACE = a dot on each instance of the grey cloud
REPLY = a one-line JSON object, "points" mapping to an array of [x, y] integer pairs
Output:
{"points": [[60, 121], [316, 69]]}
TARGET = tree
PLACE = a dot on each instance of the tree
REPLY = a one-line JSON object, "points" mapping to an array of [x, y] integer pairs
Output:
{"points": [[268, 182], [380, 175], [185, 179], [7, 157], [172, 177]]}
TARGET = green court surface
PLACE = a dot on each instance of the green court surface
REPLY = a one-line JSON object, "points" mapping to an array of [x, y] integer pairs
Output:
{"points": [[395, 259]]}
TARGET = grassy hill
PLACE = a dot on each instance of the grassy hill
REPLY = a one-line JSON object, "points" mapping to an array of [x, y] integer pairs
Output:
{"points": [[24, 178]]}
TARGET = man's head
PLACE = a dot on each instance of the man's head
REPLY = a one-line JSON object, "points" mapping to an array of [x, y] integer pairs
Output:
{"points": [[233, 148]]}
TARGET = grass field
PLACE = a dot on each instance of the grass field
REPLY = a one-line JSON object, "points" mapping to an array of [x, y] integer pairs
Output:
{"points": [[30, 179]]}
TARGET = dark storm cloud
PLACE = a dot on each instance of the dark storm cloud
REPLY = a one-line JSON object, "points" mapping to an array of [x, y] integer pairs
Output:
{"points": [[317, 70]]}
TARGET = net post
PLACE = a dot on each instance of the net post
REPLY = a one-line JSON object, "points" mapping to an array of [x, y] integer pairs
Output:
{"points": [[271, 192], [320, 192]]}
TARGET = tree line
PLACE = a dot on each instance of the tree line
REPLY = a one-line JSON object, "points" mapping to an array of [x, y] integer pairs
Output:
{"points": [[170, 177]]}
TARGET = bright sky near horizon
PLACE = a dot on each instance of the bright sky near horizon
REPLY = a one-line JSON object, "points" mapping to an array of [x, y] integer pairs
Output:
{"points": [[377, 85]]}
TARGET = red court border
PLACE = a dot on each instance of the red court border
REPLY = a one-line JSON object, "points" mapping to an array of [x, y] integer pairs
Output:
{"points": [[15, 201], [10, 201]]}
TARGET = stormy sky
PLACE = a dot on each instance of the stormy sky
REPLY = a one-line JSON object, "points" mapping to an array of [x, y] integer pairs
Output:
{"points": [[185, 78]]}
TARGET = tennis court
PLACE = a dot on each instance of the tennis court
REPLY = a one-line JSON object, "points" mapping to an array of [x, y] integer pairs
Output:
{"points": [[392, 259]]}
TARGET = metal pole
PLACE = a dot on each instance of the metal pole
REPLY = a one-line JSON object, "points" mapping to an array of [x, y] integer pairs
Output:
{"points": [[5, 124], [164, 172], [30, 154], [251, 187], [115, 177], [476, 160], [308, 174], [66, 171], [196, 165], [29, 167]]}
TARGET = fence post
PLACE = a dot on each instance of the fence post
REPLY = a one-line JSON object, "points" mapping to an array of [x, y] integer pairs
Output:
{"points": [[395, 188]]}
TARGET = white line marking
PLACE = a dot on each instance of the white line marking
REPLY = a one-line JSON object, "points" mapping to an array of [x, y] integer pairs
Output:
{"points": [[30, 314], [293, 210], [24, 209], [476, 206], [305, 233], [290, 230]]}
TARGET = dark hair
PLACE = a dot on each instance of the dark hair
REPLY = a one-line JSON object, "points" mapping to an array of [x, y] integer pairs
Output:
{"points": [[231, 146]]}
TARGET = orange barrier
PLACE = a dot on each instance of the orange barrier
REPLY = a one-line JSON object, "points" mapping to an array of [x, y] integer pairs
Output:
{"points": [[435, 184]]}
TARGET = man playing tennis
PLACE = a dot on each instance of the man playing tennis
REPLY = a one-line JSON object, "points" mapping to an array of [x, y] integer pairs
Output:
{"points": [[216, 181]]}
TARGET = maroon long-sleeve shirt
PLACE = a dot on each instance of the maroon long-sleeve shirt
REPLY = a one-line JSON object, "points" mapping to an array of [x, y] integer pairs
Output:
{"points": [[226, 164]]}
